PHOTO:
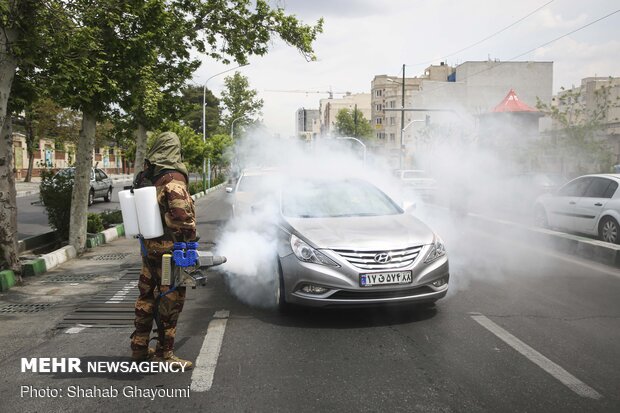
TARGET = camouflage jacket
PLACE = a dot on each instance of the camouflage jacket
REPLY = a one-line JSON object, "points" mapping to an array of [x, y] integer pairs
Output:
{"points": [[176, 206]]}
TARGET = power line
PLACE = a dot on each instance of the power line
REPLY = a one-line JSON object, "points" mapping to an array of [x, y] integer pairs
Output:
{"points": [[486, 38], [531, 50]]}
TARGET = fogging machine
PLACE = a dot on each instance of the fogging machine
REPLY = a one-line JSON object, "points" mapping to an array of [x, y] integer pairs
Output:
{"points": [[186, 266]]}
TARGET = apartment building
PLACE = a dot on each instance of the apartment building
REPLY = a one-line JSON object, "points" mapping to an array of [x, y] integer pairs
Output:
{"points": [[328, 109], [307, 123]]}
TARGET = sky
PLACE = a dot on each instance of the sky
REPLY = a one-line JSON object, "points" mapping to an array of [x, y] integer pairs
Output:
{"points": [[364, 38]]}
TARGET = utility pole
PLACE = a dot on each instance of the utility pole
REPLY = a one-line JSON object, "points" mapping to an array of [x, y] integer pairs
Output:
{"points": [[402, 121], [355, 121]]}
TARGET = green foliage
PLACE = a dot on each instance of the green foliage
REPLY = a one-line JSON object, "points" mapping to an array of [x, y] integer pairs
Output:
{"points": [[240, 102], [55, 194], [578, 137], [110, 218], [351, 122], [191, 112], [219, 149], [94, 223]]}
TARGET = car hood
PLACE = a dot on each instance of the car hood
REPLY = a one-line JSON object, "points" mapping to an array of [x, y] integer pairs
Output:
{"points": [[363, 233]]}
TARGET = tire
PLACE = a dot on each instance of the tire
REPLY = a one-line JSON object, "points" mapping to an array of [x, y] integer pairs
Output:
{"points": [[609, 230], [108, 195], [91, 197], [540, 217], [279, 291]]}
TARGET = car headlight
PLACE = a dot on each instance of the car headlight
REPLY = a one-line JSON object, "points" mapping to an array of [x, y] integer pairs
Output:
{"points": [[306, 253], [437, 250]]}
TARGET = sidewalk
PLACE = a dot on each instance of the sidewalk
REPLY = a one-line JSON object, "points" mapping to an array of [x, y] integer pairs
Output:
{"points": [[31, 188], [58, 292]]}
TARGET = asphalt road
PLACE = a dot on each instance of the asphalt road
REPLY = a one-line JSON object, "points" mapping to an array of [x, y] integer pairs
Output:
{"points": [[32, 218], [522, 330]]}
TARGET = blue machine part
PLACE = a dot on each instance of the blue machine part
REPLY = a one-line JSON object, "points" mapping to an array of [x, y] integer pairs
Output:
{"points": [[187, 258], [179, 246], [192, 245]]}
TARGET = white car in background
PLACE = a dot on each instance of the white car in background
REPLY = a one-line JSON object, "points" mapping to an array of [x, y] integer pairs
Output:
{"points": [[252, 185], [417, 182], [589, 204]]}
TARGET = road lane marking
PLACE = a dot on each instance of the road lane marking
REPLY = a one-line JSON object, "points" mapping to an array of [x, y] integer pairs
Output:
{"points": [[535, 357], [120, 295], [206, 362], [77, 329]]}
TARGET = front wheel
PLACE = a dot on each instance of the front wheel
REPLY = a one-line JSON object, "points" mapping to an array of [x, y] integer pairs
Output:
{"points": [[279, 291], [108, 195], [609, 231], [540, 217]]}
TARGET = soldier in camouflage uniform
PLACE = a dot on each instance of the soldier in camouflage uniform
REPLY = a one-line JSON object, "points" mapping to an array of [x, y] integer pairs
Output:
{"points": [[164, 170]]}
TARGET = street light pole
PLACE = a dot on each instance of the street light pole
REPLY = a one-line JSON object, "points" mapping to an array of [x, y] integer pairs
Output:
{"points": [[204, 124], [402, 122], [358, 141]]}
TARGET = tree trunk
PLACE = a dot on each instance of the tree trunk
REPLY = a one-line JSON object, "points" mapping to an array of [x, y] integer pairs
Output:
{"points": [[140, 148], [8, 200], [29, 143], [81, 185], [30, 166]]}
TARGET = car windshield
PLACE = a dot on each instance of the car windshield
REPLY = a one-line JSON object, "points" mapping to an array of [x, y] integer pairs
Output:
{"points": [[317, 198], [257, 183]]}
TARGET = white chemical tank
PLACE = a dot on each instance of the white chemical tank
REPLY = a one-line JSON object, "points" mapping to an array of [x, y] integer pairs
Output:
{"points": [[147, 210]]}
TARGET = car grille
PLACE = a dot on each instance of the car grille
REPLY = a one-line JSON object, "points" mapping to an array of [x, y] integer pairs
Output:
{"points": [[367, 295], [366, 259]]}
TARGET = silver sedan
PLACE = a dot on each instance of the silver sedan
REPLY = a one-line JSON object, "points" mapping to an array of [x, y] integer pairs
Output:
{"points": [[346, 243]]}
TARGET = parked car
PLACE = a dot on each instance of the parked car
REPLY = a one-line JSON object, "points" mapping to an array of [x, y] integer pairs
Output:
{"points": [[343, 242], [417, 182], [589, 204], [100, 184]]}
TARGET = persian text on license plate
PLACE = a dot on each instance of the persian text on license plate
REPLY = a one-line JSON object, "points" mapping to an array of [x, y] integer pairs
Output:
{"points": [[386, 278]]}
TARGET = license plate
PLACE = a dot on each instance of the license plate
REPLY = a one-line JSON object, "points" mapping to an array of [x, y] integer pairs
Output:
{"points": [[385, 278]]}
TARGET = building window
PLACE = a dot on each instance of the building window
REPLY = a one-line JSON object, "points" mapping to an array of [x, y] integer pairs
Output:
{"points": [[378, 107], [378, 121], [392, 137], [392, 103], [378, 92], [391, 120]]}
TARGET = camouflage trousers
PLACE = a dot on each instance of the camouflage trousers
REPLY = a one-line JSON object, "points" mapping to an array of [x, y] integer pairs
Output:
{"points": [[170, 304]]}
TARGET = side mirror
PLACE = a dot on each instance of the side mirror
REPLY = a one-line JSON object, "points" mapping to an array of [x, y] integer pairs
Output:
{"points": [[229, 189]]}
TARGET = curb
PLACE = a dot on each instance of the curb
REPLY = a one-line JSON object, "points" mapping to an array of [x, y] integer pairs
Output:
{"points": [[53, 259], [7, 280], [587, 248], [207, 192]]}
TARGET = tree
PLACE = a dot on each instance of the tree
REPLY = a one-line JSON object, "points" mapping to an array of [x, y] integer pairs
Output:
{"points": [[240, 102], [192, 112], [28, 28], [219, 150], [353, 123], [578, 137]]}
